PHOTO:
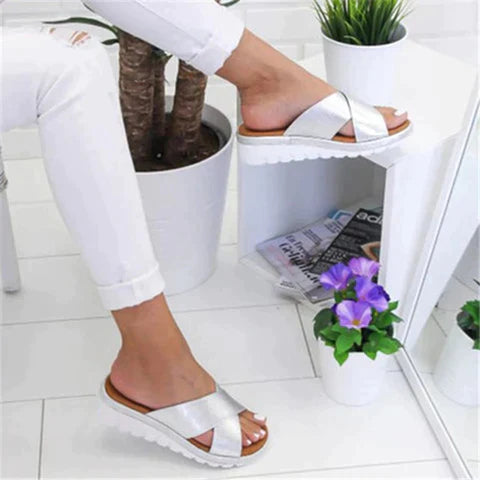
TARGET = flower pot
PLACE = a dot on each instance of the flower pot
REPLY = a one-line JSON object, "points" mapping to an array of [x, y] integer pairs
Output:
{"points": [[366, 73], [184, 209], [456, 373], [357, 382]]}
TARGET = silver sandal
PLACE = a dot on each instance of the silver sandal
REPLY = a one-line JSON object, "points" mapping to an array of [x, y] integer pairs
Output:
{"points": [[175, 427], [314, 133]]}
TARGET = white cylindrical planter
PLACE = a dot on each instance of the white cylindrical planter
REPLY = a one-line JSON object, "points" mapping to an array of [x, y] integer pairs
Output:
{"points": [[457, 372], [184, 209], [357, 382], [366, 73]]}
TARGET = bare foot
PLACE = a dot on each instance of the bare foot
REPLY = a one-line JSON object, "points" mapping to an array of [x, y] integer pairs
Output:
{"points": [[156, 368], [275, 104]]}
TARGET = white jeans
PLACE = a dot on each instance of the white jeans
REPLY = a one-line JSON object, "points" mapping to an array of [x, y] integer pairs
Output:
{"points": [[69, 90]]}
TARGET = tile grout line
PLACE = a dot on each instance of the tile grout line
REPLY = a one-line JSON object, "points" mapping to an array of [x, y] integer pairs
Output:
{"points": [[106, 316], [461, 282], [326, 469], [312, 363], [438, 324], [40, 447], [66, 397], [227, 384], [77, 254]]}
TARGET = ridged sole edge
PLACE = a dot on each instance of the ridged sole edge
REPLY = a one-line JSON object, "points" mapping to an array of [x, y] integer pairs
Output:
{"points": [[125, 421], [271, 150]]}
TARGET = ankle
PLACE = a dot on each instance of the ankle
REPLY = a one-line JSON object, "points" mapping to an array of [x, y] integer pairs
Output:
{"points": [[275, 99], [267, 83]]}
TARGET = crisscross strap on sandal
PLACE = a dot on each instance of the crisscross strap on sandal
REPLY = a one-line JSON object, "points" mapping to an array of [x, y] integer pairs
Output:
{"points": [[327, 117], [217, 411], [187, 420]]}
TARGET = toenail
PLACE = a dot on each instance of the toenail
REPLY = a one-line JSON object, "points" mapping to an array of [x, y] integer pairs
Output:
{"points": [[262, 432], [256, 435], [399, 113], [249, 442], [260, 418]]}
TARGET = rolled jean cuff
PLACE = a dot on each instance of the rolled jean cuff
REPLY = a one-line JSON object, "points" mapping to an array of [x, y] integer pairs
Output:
{"points": [[220, 45], [133, 292]]}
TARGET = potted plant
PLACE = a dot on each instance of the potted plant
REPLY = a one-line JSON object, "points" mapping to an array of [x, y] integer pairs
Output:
{"points": [[457, 370], [356, 335], [362, 41], [181, 150]]}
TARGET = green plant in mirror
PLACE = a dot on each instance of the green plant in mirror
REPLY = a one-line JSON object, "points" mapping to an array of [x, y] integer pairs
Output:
{"points": [[468, 320], [361, 22]]}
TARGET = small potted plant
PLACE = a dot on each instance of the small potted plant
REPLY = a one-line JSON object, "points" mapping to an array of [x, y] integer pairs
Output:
{"points": [[457, 370], [181, 150], [356, 335], [362, 40]]}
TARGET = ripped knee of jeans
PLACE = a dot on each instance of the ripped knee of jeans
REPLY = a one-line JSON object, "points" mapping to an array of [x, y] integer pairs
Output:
{"points": [[68, 36]]}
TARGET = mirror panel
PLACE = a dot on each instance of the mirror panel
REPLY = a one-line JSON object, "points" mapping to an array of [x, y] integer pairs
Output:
{"points": [[440, 338]]}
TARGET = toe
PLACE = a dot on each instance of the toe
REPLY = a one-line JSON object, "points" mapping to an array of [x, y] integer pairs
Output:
{"points": [[246, 442], [393, 117], [255, 417], [253, 431]]}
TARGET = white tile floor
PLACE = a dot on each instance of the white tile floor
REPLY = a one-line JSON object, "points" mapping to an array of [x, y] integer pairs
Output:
{"points": [[57, 343]]}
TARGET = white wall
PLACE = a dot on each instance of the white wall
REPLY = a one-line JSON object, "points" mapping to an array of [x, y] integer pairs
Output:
{"points": [[445, 25]]}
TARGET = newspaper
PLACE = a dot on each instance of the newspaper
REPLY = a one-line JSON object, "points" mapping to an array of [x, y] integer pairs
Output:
{"points": [[360, 238], [294, 254]]}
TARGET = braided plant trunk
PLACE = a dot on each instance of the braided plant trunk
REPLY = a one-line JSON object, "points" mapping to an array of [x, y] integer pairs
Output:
{"points": [[159, 118], [183, 134], [158, 141], [137, 96]]}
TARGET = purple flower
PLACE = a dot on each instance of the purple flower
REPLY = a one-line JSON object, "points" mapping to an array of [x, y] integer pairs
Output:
{"points": [[371, 293], [363, 267], [336, 277], [354, 314]]}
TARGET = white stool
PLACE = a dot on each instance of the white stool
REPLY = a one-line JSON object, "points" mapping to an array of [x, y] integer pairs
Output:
{"points": [[8, 255]]}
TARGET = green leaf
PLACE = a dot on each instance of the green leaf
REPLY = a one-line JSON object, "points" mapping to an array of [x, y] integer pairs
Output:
{"points": [[350, 295], [84, 21], [338, 297], [340, 357], [336, 327], [392, 306], [389, 345], [365, 22], [322, 320], [370, 351], [346, 340], [472, 308], [376, 329], [476, 344], [329, 343], [111, 41], [328, 333], [229, 3], [385, 319], [463, 320]]}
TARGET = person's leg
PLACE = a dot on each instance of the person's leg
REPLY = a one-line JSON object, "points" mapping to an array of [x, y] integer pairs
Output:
{"points": [[274, 90], [65, 83]]}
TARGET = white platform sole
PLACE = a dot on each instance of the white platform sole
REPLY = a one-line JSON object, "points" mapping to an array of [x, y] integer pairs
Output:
{"points": [[127, 420], [268, 150]]}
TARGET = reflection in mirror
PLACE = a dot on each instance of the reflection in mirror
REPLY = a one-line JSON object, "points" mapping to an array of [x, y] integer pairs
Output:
{"points": [[446, 353], [448, 363]]}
